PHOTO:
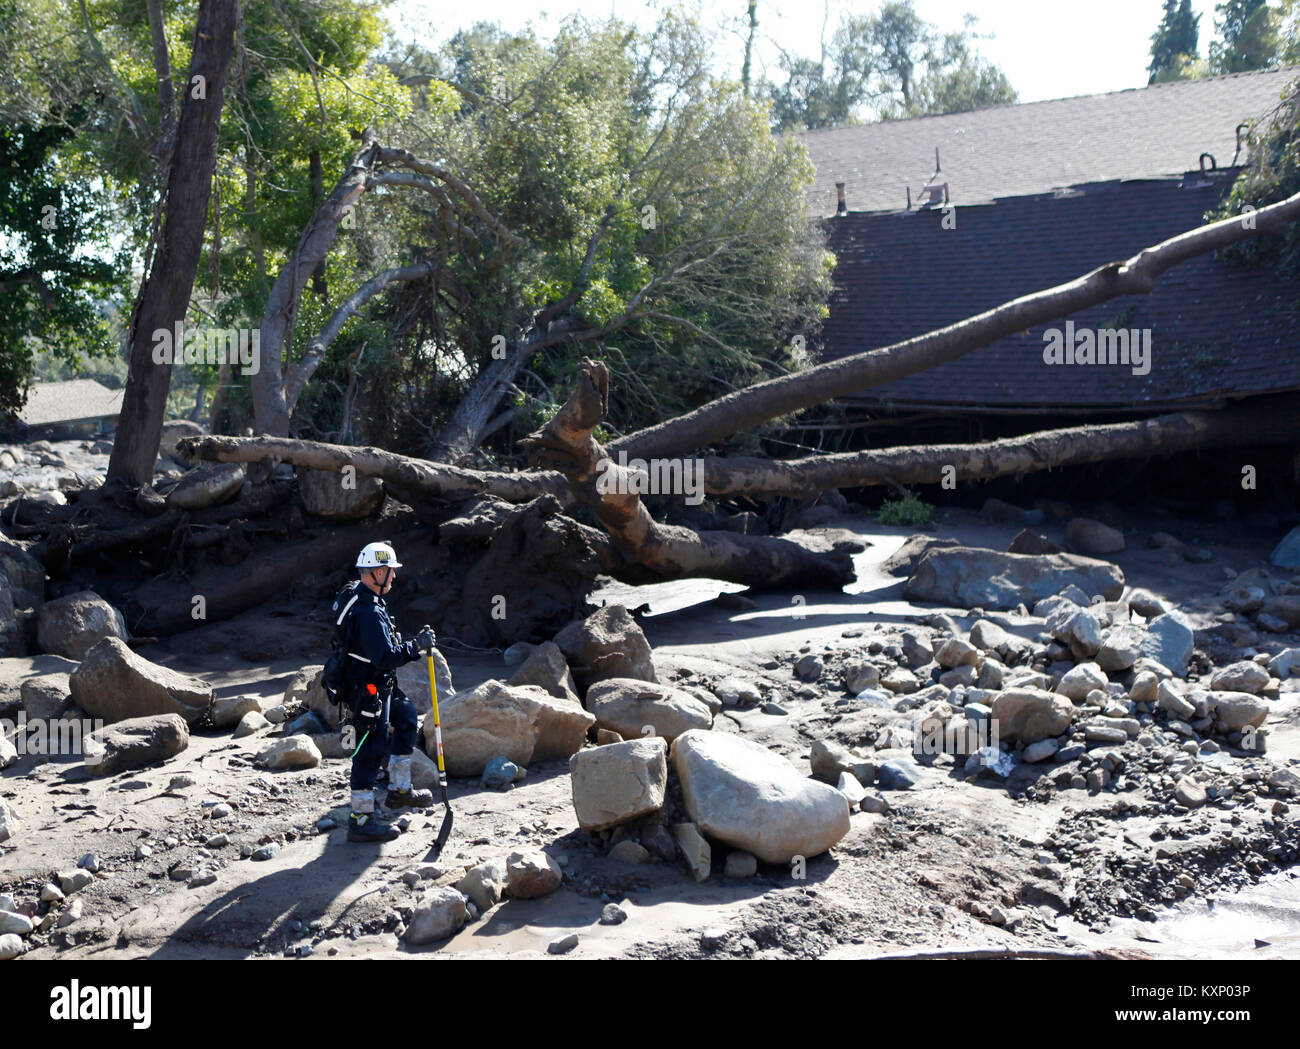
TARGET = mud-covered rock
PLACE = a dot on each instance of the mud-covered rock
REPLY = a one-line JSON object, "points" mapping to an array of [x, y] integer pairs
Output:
{"points": [[607, 644], [70, 626], [115, 683], [739, 792], [641, 708], [618, 783], [134, 743]]}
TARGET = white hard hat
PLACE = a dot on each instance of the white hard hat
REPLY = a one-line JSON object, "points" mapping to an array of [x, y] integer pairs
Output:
{"points": [[378, 555]]}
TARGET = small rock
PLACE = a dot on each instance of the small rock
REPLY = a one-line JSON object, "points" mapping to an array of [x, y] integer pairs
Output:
{"points": [[71, 914], [629, 851], [252, 722], [72, 881], [563, 945], [18, 924], [694, 849], [267, 852], [500, 772], [532, 873], [612, 914], [740, 864], [10, 947], [1189, 793]]}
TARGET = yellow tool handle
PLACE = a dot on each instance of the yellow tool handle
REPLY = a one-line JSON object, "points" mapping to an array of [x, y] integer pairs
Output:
{"points": [[437, 725]]}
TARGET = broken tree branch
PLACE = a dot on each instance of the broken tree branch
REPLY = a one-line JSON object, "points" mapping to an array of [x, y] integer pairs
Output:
{"points": [[670, 552], [774, 398]]}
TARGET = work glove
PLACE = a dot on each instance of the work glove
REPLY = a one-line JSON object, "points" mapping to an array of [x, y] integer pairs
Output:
{"points": [[425, 639]]}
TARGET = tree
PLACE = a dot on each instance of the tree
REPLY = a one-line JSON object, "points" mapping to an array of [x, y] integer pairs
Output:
{"points": [[958, 80], [1247, 36], [165, 292], [1174, 42], [597, 193], [51, 288], [894, 61], [1272, 175]]}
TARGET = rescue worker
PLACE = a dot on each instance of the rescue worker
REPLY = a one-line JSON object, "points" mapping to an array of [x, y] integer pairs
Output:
{"points": [[374, 650]]}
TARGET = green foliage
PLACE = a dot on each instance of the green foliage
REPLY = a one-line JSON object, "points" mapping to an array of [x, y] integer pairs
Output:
{"points": [[1273, 175], [1174, 42], [894, 60], [52, 291], [909, 511], [1248, 37], [706, 260]]}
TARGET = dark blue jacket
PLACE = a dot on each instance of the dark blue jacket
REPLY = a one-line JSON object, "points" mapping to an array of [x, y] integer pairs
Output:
{"points": [[374, 647]]}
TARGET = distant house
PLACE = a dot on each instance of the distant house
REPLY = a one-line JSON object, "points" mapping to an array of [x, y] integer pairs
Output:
{"points": [[78, 407], [1029, 196]]}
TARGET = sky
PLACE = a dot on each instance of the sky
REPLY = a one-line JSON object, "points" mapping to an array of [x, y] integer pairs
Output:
{"points": [[1048, 49]]}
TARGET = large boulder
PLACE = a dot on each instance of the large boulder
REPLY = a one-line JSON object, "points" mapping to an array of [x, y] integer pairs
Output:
{"points": [[46, 697], [641, 708], [115, 683], [1243, 676], [547, 668], [1237, 710], [413, 679], [13, 637], [1093, 537], [607, 644], [26, 575], [339, 496], [903, 560], [1027, 715], [1169, 640], [739, 792], [619, 782], [209, 485], [70, 626], [134, 743], [1121, 645], [291, 752], [173, 431], [1285, 607], [521, 723], [969, 577], [1287, 553]]}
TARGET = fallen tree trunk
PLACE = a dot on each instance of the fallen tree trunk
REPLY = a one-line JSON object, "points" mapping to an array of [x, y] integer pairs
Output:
{"points": [[1275, 422], [1271, 421], [668, 551], [774, 398], [429, 477]]}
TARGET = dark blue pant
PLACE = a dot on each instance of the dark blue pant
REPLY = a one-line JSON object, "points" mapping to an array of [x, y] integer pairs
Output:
{"points": [[404, 721]]}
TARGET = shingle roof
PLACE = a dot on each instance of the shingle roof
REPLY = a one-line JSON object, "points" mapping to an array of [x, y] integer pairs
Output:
{"points": [[1034, 147], [1217, 330], [71, 401]]}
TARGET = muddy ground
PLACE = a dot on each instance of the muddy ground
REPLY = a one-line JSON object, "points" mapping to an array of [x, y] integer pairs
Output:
{"points": [[1018, 865]]}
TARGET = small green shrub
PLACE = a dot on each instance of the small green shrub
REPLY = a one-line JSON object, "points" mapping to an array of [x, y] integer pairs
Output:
{"points": [[908, 511]]}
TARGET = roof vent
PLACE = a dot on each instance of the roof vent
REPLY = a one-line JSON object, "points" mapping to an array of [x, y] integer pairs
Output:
{"points": [[933, 192], [841, 205]]}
